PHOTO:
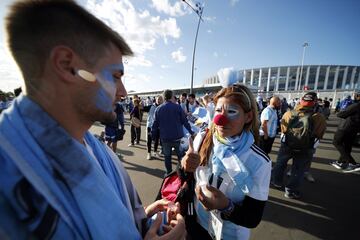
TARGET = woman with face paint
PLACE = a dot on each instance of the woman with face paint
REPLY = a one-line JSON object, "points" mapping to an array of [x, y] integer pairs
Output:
{"points": [[232, 173]]}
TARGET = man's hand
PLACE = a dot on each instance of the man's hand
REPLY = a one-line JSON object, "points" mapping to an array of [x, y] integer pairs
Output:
{"points": [[191, 160], [163, 205], [218, 200], [175, 230]]}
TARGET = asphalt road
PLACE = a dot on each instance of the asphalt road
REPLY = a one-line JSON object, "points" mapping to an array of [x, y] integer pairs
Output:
{"points": [[327, 210]]}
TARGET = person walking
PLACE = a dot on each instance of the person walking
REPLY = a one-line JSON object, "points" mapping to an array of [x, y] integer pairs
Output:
{"points": [[169, 120], [345, 134]]}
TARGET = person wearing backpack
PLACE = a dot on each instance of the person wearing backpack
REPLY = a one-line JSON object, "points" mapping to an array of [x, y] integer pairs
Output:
{"points": [[300, 129]]}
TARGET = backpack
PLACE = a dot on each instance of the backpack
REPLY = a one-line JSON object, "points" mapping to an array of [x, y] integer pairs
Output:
{"points": [[299, 134]]}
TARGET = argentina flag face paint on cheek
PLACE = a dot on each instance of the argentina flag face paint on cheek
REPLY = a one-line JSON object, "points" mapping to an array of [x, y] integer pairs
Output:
{"points": [[105, 96]]}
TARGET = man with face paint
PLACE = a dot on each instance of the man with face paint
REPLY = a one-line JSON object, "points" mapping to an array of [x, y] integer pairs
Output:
{"points": [[57, 181]]}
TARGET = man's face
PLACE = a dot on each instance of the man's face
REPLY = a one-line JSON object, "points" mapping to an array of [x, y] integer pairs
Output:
{"points": [[159, 100], [98, 98], [183, 98], [191, 100], [278, 103]]}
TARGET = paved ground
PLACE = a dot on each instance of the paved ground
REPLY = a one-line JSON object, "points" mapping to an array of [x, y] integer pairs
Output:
{"points": [[329, 208]]}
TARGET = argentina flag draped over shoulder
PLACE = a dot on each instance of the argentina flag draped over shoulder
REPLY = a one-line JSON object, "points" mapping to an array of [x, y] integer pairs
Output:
{"points": [[91, 194]]}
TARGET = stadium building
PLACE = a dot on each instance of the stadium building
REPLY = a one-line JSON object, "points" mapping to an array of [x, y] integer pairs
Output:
{"points": [[332, 81]]}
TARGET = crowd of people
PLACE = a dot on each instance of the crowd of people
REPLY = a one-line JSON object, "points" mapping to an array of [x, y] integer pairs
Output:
{"points": [[57, 180]]}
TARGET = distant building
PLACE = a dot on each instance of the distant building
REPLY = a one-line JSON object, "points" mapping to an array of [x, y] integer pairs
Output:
{"points": [[325, 79], [332, 81]]}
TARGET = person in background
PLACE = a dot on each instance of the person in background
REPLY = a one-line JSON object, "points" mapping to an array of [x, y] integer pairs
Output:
{"points": [[183, 102], [130, 105], [259, 103], [210, 107], [3, 101], [284, 106], [337, 106], [345, 134], [326, 109], [17, 91], [111, 128], [119, 110], [135, 130], [149, 124], [169, 121], [346, 102], [191, 104], [269, 124], [57, 181], [300, 128]]}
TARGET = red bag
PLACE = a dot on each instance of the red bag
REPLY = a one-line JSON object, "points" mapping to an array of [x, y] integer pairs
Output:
{"points": [[171, 186]]}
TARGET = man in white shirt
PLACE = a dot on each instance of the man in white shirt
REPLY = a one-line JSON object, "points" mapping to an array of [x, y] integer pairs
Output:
{"points": [[269, 121]]}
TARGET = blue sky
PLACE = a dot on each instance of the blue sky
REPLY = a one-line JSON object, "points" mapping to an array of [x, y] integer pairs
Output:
{"points": [[235, 33]]}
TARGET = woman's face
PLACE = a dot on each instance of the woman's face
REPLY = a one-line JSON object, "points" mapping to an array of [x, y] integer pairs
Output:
{"points": [[235, 114]]}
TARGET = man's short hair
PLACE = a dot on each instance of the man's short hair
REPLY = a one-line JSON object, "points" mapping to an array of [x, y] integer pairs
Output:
{"points": [[35, 27], [168, 94], [192, 95], [184, 94]]}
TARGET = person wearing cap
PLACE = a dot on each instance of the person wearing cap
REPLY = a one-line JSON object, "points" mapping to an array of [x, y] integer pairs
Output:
{"points": [[347, 130], [301, 156]]}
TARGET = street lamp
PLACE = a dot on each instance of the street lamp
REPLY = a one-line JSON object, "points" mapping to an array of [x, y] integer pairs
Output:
{"points": [[302, 64], [199, 11]]}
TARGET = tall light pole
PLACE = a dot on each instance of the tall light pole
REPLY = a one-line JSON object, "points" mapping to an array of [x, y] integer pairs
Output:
{"points": [[199, 11], [302, 63]]}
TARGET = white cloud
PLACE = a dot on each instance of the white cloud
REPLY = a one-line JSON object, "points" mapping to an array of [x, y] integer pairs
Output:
{"points": [[215, 54], [209, 31], [178, 55], [209, 19], [140, 29], [164, 66], [176, 10], [234, 2], [10, 74]]}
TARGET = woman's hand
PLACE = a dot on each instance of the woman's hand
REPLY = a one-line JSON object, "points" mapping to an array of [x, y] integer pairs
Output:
{"points": [[191, 160], [218, 200]]}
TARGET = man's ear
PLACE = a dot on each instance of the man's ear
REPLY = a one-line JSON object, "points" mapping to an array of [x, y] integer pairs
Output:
{"points": [[248, 117], [62, 61]]}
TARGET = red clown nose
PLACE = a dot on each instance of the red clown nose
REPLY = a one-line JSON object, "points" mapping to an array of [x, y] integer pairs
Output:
{"points": [[220, 120]]}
